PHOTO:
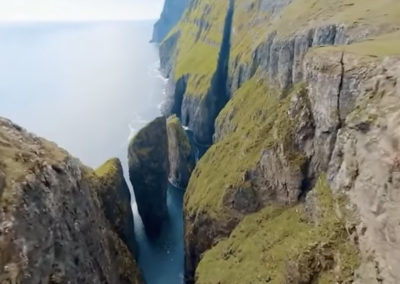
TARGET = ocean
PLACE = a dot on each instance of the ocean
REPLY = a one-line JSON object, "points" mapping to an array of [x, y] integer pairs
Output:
{"points": [[90, 87]]}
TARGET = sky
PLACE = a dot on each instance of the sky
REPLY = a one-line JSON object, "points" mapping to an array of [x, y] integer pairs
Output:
{"points": [[78, 10]]}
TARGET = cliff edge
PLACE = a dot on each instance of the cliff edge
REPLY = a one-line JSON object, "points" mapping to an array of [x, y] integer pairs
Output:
{"points": [[53, 227]]}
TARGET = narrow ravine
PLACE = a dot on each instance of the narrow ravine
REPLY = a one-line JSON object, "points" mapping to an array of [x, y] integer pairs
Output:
{"points": [[219, 84], [161, 260]]}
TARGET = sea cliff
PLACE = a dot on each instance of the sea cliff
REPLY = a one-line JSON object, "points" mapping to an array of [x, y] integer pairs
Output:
{"points": [[56, 224], [298, 101]]}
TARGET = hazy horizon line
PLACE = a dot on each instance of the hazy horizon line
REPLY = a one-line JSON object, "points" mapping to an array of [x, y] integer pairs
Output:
{"points": [[75, 20]]}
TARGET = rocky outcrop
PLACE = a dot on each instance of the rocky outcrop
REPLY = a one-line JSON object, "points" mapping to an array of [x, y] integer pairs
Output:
{"points": [[171, 14], [52, 225], [365, 164], [148, 171], [180, 152], [116, 201]]}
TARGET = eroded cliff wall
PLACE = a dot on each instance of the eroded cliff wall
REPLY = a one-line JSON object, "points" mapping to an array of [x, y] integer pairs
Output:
{"points": [[314, 97], [53, 226]]}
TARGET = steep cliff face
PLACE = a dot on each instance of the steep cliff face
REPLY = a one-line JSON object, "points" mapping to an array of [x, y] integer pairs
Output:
{"points": [[170, 16], [148, 171], [116, 201], [180, 152], [52, 224], [311, 85], [200, 46]]}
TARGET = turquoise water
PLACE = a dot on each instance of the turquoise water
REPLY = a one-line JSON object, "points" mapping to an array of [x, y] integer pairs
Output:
{"points": [[89, 87]]}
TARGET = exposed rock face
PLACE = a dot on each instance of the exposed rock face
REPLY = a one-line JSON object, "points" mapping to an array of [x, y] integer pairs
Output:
{"points": [[308, 94], [171, 14], [148, 171], [173, 102], [197, 107], [310, 84], [365, 164], [180, 152], [116, 201], [52, 225]]}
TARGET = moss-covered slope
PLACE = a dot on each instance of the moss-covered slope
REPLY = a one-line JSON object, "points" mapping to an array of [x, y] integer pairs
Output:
{"points": [[302, 244], [200, 46]]}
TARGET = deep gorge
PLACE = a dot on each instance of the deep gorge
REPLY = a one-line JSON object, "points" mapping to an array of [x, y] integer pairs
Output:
{"points": [[275, 159]]}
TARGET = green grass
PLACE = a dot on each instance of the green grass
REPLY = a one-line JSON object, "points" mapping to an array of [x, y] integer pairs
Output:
{"points": [[254, 120], [245, 20], [385, 45], [279, 245], [304, 13], [301, 15], [198, 48], [108, 168]]}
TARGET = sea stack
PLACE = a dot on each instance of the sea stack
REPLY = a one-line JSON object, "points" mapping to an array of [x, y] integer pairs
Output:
{"points": [[181, 156], [148, 171]]}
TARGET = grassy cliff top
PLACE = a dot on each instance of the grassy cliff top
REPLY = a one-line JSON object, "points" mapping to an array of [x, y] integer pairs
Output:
{"points": [[174, 126], [150, 129], [111, 167], [371, 16], [173, 121], [22, 154], [201, 31], [385, 45]]}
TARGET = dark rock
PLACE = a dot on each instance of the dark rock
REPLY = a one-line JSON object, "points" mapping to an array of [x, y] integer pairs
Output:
{"points": [[201, 232], [181, 155], [174, 97], [52, 226], [243, 200], [148, 171], [2, 182], [116, 201]]}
